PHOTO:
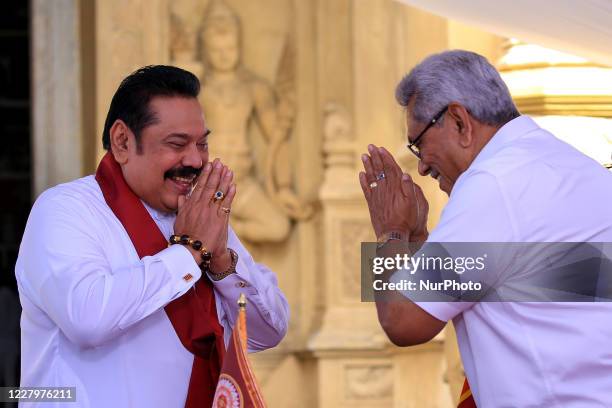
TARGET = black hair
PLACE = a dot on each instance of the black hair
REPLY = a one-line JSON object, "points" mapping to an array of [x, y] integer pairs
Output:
{"points": [[131, 100]]}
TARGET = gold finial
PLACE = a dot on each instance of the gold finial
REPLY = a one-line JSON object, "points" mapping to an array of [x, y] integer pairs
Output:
{"points": [[241, 325], [242, 302]]}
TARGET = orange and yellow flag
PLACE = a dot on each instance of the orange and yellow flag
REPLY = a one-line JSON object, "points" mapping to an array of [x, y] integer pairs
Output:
{"points": [[237, 387]]}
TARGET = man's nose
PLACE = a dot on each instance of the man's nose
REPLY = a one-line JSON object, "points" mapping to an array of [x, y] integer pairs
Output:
{"points": [[193, 157], [424, 169]]}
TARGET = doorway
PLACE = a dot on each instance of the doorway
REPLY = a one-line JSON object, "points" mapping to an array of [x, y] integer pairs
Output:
{"points": [[15, 174]]}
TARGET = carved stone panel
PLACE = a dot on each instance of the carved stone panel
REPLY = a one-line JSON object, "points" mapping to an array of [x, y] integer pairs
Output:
{"points": [[353, 233], [368, 382], [252, 117]]}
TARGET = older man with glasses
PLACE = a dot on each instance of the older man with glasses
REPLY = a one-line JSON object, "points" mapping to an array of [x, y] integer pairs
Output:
{"points": [[508, 181]]}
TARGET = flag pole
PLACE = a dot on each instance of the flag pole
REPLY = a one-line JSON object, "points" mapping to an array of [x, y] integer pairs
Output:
{"points": [[242, 326]]}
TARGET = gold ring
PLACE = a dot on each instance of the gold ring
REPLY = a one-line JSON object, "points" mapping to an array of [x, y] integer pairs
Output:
{"points": [[373, 184], [225, 210], [218, 195]]}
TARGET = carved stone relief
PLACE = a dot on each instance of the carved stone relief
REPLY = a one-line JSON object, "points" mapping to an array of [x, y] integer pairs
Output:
{"points": [[338, 147], [364, 382], [354, 232], [185, 19], [234, 99]]}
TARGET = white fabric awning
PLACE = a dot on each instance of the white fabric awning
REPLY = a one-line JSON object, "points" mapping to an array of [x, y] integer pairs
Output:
{"points": [[580, 27]]}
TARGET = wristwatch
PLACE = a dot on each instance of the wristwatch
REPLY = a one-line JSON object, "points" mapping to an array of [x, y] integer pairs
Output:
{"points": [[389, 236], [228, 271]]}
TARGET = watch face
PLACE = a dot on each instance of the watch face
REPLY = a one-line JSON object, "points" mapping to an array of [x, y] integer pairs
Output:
{"points": [[387, 236], [383, 238]]}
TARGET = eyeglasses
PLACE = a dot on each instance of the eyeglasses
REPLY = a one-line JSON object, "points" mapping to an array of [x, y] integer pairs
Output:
{"points": [[414, 145]]}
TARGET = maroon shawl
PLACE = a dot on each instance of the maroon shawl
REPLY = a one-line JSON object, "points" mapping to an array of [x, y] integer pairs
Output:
{"points": [[193, 315]]}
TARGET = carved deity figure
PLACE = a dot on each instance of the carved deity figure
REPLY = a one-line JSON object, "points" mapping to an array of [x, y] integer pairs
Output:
{"points": [[232, 98]]}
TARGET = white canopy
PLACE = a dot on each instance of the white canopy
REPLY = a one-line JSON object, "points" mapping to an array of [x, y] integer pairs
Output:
{"points": [[580, 27]]}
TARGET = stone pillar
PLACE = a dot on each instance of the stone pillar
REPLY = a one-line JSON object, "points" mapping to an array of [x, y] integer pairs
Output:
{"points": [[356, 363], [56, 97], [349, 345]]}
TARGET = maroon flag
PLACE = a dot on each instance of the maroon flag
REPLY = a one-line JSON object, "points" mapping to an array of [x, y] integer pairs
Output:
{"points": [[237, 387], [466, 400]]}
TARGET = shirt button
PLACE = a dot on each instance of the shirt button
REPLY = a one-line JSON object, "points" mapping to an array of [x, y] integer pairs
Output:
{"points": [[188, 277], [241, 284]]}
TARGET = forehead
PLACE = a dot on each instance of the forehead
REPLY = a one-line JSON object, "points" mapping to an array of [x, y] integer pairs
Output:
{"points": [[177, 114]]}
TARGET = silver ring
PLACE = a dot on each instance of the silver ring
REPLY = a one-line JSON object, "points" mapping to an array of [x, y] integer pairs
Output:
{"points": [[218, 195], [381, 176], [373, 184]]}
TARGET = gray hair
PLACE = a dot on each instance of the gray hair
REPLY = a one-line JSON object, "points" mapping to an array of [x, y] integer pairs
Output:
{"points": [[457, 76]]}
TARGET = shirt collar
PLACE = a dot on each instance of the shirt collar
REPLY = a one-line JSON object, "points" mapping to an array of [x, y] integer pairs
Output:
{"points": [[508, 133], [158, 215]]}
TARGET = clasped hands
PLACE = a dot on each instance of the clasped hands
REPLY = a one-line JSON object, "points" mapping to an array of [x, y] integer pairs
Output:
{"points": [[396, 203], [204, 215]]}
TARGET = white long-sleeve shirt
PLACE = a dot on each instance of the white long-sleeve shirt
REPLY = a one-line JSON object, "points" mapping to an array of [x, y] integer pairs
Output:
{"points": [[93, 315]]}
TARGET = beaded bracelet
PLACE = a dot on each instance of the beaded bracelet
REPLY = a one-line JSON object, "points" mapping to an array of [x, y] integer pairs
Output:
{"points": [[195, 244]]}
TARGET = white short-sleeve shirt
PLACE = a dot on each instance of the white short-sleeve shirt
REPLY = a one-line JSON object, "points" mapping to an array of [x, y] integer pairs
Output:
{"points": [[528, 186]]}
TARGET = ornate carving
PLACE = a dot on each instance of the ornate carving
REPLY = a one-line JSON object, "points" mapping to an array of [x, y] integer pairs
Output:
{"points": [[338, 147], [339, 155], [354, 232], [369, 382], [185, 20], [232, 98]]}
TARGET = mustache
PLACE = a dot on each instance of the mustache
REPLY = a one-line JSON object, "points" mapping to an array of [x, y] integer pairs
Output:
{"points": [[182, 172]]}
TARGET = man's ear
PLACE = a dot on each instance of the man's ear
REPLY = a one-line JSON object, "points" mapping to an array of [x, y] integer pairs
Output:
{"points": [[120, 141], [461, 122]]}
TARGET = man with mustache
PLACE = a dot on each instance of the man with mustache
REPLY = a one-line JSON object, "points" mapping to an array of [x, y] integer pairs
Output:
{"points": [[129, 279], [508, 181]]}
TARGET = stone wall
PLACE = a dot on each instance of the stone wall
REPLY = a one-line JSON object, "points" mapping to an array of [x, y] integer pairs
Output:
{"points": [[314, 85]]}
